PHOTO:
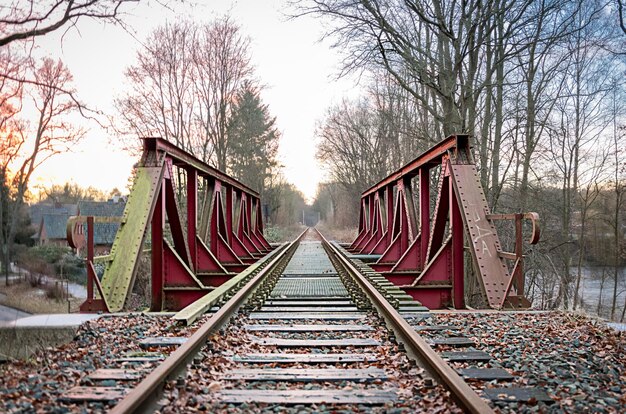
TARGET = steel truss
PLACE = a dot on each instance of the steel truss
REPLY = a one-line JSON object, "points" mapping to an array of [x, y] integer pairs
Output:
{"points": [[423, 250], [201, 233]]}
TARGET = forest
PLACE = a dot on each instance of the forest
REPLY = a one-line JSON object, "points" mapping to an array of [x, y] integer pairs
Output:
{"points": [[539, 85], [541, 88]]}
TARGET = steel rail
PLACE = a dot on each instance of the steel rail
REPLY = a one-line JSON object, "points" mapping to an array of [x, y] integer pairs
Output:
{"points": [[465, 396], [138, 399]]}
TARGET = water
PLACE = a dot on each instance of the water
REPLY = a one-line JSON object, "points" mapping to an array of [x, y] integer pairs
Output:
{"points": [[590, 288], [75, 289]]}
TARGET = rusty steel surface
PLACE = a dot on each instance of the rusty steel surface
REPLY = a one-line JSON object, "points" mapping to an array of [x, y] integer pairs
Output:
{"points": [[483, 237], [219, 234], [422, 248], [182, 157], [469, 400], [433, 155], [138, 398]]}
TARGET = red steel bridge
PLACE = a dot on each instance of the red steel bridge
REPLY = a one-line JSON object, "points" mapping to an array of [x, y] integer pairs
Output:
{"points": [[415, 233]]}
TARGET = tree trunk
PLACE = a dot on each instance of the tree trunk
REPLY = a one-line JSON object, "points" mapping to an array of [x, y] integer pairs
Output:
{"points": [[599, 307]]}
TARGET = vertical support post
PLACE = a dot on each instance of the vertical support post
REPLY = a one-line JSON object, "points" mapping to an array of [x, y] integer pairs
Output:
{"points": [[424, 195], [390, 215], [192, 215], [403, 217], [456, 230], [90, 255], [158, 265], [214, 219], [229, 214], [519, 285], [410, 208]]}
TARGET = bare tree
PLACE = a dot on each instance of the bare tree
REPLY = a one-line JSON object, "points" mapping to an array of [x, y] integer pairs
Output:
{"points": [[618, 182], [622, 17], [352, 145], [578, 124], [452, 58], [51, 133], [161, 99], [222, 61], [26, 19], [183, 86]]}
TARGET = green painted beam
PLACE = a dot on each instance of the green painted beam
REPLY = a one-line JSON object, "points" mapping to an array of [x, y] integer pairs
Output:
{"points": [[120, 271]]}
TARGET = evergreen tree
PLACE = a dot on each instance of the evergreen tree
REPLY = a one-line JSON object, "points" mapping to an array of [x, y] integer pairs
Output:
{"points": [[254, 138]]}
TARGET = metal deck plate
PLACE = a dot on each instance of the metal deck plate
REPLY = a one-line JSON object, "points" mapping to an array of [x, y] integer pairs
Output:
{"points": [[326, 316], [291, 397], [486, 374], [314, 286], [115, 374], [310, 299], [477, 356], [517, 394], [314, 302], [95, 394], [303, 358], [305, 275], [308, 309], [311, 258], [308, 328], [315, 343], [306, 375]]}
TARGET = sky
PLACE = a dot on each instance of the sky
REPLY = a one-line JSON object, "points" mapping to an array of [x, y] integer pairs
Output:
{"points": [[298, 70]]}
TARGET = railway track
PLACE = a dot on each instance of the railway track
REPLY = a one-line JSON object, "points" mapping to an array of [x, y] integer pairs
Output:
{"points": [[312, 332], [307, 329]]}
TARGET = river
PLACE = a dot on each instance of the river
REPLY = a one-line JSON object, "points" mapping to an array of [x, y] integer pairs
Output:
{"points": [[590, 287]]}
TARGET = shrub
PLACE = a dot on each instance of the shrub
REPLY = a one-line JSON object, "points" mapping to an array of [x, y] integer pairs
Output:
{"points": [[54, 261], [55, 291]]}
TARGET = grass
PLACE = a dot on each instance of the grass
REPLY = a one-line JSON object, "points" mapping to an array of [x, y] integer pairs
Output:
{"points": [[21, 295], [276, 234], [344, 235]]}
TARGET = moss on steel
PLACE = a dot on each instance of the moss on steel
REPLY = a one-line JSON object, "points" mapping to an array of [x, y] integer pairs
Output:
{"points": [[120, 270]]}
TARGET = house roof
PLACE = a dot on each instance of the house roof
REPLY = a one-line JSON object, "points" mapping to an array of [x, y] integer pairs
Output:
{"points": [[101, 208], [55, 226], [104, 233], [37, 211]]}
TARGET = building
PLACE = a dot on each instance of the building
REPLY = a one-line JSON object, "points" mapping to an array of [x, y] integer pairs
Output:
{"points": [[50, 221]]}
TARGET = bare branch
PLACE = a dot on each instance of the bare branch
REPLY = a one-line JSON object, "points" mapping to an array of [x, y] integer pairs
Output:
{"points": [[29, 19]]}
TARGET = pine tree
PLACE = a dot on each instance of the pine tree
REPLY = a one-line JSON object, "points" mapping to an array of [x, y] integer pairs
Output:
{"points": [[254, 139]]}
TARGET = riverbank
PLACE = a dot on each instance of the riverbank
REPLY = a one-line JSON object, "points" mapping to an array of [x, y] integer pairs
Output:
{"points": [[20, 295]]}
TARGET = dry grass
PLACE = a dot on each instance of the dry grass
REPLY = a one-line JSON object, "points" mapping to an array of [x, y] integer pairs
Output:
{"points": [[35, 300], [343, 235]]}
